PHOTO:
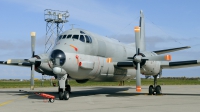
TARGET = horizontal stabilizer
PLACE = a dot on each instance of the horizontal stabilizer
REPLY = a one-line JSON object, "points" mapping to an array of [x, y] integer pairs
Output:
{"points": [[171, 50], [180, 64]]}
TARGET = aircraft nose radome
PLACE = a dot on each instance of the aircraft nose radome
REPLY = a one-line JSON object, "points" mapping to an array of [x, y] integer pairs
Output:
{"points": [[58, 57]]}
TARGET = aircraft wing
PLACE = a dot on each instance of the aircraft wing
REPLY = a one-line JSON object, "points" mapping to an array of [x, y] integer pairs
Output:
{"points": [[164, 64], [171, 50], [180, 64], [124, 65], [23, 64]]}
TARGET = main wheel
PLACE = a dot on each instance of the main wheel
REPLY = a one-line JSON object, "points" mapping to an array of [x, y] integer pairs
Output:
{"points": [[59, 89], [151, 90], [66, 95], [158, 90], [61, 95]]}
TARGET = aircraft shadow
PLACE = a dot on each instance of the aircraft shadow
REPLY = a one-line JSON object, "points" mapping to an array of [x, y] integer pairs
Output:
{"points": [[181, 94], [108, 92]]}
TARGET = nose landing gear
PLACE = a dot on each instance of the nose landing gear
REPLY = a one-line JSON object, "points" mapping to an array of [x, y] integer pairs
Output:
{"points": [[64, 95], [63, 90]]}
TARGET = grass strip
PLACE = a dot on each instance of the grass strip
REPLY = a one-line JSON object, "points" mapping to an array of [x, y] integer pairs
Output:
{"points": [[47, 83]]}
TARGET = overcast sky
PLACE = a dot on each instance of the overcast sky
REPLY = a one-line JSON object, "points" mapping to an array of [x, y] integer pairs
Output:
{"points": [[170, 23]]}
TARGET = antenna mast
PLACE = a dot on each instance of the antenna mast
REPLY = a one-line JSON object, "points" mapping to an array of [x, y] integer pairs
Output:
{"points": [[55, 20]]}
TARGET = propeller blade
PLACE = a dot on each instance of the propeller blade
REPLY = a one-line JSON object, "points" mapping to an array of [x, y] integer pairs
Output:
{"points": [[33, 34], [138, 79], [130, 58], [137, 57], [43, 60], [32, 76], [137, 39], [13, 61], [32, 60], [138, 51], [158, 58], [142, 32]]}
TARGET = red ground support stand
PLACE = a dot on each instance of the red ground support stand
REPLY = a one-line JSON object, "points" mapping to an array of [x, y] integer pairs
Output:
{"points": [[47, 96]]}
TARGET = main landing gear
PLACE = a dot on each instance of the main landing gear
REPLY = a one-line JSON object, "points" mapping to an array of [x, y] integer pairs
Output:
{"points": [[155, 89]]}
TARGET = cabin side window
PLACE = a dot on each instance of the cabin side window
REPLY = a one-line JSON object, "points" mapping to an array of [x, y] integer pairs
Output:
{"points": [[82, 38]]}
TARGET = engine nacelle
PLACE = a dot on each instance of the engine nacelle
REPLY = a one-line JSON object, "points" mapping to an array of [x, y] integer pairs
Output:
{"points": [[43, 67], [150, 67]]}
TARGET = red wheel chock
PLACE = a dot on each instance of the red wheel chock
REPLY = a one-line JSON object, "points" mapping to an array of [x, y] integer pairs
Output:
{"points": [[46, 96]]}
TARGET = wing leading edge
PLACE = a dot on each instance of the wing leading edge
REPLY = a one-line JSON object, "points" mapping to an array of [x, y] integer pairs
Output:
{"points": [[171, 50], [164, 64], [180, 64]]}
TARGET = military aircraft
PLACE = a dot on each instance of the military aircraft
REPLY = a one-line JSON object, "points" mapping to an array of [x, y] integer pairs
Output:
{"points": [[83, 55]]}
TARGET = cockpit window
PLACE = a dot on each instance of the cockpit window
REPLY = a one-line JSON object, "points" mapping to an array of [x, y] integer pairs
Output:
{"points": [[60, 37], [75, 36], [64, 36], [69, 36], [82, 38], [82, 32], [88, 39]]}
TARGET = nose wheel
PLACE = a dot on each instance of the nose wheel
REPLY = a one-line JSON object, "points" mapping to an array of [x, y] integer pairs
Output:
{"points": [[155, 89], [68, 88], [64, 95], [61, 94]]}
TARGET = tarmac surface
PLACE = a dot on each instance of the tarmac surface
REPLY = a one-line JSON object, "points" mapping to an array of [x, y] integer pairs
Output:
{"points": [[181, 98]]}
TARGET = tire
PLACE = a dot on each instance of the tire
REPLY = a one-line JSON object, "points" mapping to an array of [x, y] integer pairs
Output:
{"points": [[158, 90], [51, 100], [59, 90], [151, 90], [61, 95], [68, 88], [66, 95]]}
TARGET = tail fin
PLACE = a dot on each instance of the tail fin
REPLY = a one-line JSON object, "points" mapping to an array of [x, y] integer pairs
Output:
{"points": [[142, 32]]}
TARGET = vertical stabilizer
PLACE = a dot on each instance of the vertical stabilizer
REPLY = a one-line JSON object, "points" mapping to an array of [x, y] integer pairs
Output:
{"points": [[142, 32]]}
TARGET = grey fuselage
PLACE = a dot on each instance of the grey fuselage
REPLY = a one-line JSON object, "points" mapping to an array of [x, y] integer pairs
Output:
{"points": [[93, 56]]}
